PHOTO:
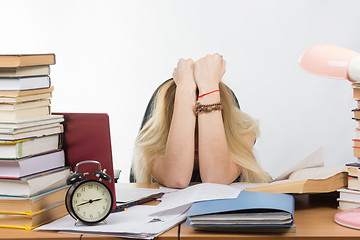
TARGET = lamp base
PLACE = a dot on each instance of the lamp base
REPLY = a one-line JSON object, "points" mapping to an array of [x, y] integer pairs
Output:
{"points": [[348, 218]]}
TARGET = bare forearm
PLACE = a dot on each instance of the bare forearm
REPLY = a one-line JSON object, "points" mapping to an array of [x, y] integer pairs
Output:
{"points": [[215, 163], [175, 168]]}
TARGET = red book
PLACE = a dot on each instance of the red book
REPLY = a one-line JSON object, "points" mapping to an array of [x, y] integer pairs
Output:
{"points": [[87, 137]]}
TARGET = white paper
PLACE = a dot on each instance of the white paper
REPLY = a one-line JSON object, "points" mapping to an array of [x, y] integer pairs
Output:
{"points": [[242, 185], [126, 194], [195, 193], [145, 221], [315, 159], [135, 222]]}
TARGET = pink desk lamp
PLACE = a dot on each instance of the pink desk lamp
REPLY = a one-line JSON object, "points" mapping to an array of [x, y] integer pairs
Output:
{"points": [[335, 62], [331, 61]]}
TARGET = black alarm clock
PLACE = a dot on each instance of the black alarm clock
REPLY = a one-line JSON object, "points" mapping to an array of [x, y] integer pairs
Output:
{"points": [[89, 201]]}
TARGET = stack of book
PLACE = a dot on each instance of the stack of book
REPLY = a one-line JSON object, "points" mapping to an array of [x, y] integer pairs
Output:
{"points": [[350, 197], [356, 111], [32, 162]]}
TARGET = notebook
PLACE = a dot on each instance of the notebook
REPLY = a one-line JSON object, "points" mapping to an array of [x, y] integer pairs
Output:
{"points": [[87, 137]]}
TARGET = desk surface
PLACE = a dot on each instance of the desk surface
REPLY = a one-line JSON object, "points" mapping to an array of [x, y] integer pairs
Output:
{"points": [[313, 219]]}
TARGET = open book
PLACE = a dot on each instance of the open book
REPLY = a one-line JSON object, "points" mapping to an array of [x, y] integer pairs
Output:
{"points": [[307, 176]]}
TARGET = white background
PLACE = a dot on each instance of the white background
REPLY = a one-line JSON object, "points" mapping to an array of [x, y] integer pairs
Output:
{"points": [[111, 55]]}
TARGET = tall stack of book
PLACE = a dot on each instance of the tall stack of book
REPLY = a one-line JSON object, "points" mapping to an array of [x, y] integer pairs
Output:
{"points": [[350, 197], [32, 163]]}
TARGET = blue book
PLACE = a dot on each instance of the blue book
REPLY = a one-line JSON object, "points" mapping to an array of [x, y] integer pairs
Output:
{"points": [[249, 212]]}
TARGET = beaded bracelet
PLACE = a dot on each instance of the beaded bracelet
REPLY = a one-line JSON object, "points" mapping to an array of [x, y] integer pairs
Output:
{"points": [[206, 108]]}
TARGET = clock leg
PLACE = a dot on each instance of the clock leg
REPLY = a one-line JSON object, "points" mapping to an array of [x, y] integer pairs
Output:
{"points": [[76, 222]]}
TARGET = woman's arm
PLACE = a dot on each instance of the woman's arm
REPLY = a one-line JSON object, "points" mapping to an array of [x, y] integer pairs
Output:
{"points": [[175, 168], [214, 160]]}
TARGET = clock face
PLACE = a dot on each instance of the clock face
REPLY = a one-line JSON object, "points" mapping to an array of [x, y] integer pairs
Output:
{"points": [[90, 201]]}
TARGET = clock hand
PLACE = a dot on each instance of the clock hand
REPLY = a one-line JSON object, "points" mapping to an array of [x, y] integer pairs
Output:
{"points": [[84, 203], [90, 201]]}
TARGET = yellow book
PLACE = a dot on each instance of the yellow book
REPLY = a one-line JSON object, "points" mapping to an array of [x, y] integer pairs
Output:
{"points": [[25, 221], [31, 205]]}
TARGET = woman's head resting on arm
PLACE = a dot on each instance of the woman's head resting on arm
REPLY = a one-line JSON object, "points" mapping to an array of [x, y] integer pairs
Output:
{"points": [[241, 131]]}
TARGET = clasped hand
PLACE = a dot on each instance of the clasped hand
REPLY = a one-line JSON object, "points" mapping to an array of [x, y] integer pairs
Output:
{"points": [[204, 74]]}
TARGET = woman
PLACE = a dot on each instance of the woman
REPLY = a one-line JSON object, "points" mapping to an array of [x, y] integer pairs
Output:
{"points": [[210, 141]]}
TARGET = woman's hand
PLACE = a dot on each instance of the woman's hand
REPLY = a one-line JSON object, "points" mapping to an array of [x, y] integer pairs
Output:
{"points": [[184, 74], [208, 72], [175, 168]]}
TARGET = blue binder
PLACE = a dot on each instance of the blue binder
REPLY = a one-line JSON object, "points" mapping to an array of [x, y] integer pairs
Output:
{"points": [[250, 202]]}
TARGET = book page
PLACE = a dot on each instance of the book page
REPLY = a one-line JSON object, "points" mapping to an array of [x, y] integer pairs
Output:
{"points": [[315, 159], [243, 185], [317, 173]]}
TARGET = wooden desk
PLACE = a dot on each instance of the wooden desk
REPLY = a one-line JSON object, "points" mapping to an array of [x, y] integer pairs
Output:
{"points": [[20, 234], [313, 220]]}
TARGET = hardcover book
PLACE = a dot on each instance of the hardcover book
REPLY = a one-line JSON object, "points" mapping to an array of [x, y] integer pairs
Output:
{"points": [[34, 184], [25, 113], [25, 60], [31, 165], [30, 146], [24, 83], [22, 93], [22, 205], [25, 71], [29, 222]]}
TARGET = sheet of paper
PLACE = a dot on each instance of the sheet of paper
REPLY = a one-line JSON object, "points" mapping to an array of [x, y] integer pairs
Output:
{"points": [[165, 227], [195, 193], [315, 159], [149, 221], [242, 185], [125, 194], [135, 222]]}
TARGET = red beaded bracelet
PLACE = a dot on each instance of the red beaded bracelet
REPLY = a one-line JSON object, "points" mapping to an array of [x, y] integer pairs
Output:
{"points": [[207, 94]]}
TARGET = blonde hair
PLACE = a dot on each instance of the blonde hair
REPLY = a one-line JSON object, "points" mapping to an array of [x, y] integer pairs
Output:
{"points": [[151, 141]]}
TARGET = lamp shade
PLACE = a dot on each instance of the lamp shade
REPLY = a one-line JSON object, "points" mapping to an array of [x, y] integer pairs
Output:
{"points": [[331, 61]]}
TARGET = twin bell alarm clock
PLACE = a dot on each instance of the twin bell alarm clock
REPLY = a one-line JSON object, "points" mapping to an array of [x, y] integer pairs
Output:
{"points": [[89, 201]]}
